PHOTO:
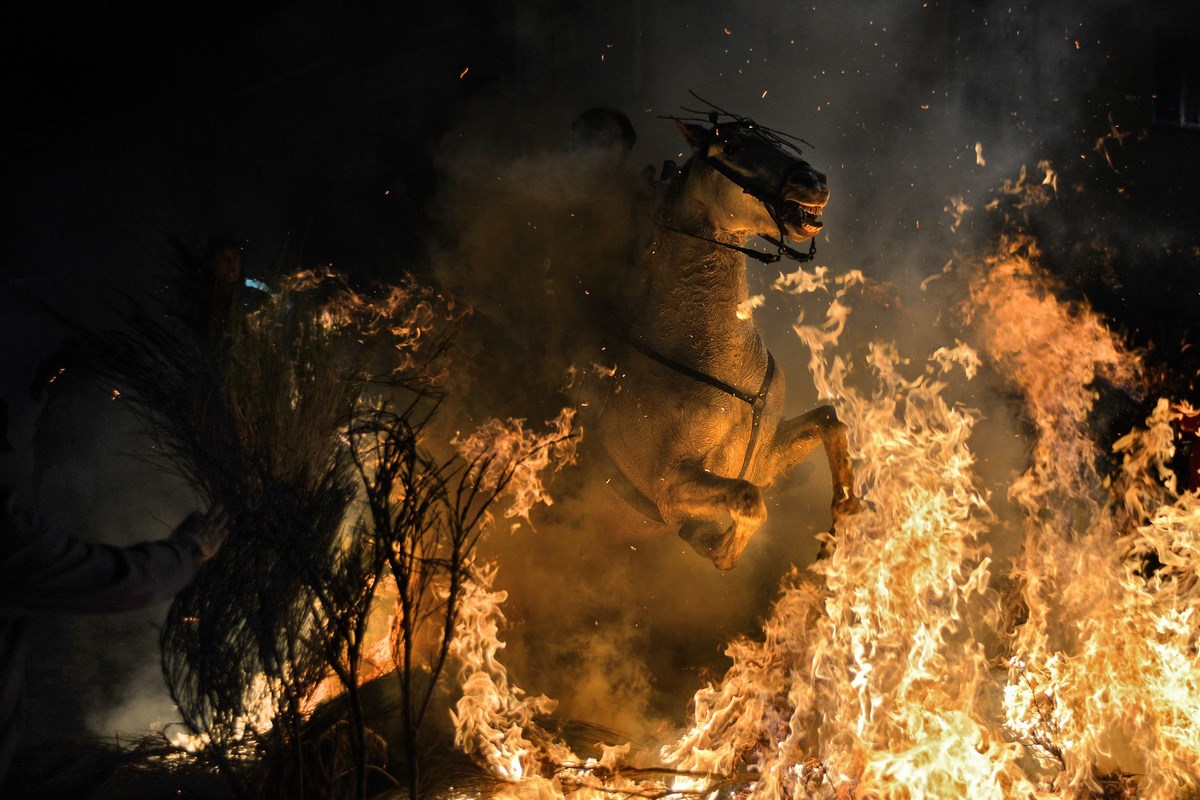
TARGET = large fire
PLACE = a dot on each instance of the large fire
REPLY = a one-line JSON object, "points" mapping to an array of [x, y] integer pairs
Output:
{"points": [[910, 662]]}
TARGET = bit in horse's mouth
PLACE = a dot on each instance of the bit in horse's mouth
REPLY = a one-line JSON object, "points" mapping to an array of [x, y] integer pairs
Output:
{"points": [[803, 215]]}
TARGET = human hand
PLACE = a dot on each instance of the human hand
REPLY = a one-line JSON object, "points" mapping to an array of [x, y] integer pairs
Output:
{"points": [[207, 531]]}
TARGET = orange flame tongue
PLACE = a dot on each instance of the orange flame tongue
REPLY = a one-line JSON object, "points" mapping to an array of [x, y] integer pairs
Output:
{"points": [[1053, 352], [494, 719], [1104, 674]]}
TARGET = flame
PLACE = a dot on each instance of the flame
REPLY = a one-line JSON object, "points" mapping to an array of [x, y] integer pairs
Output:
{"points": [[871, 677], [745, 309], [1054, 352], [496, 449], [1104, 673], [403, 314], [498, 723], [908, 663], [901, 666], [870, 685], [261, 701], [494, 719], [957, 209], [1024, 193]]}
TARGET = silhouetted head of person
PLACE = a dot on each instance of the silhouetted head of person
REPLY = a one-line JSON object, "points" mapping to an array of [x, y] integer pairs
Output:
{"points": [[604, 130], [225, 261]]}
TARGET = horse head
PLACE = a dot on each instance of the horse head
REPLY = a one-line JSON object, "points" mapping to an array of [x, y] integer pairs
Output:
{"points": [[752, 181]]}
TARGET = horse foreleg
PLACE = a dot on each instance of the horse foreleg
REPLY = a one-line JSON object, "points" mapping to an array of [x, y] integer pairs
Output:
{"points": [[796, 438], [717, 515]]}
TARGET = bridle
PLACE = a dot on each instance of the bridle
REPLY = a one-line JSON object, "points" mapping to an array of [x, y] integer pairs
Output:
{"points": [[782, 248], [770, 196], [757, 401], [620, 481]]}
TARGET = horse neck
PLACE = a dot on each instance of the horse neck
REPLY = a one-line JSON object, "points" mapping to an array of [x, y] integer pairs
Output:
{"points": [[696, 288]]}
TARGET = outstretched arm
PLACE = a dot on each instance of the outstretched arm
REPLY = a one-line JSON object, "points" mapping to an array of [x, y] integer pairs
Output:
{"points": [[44, 571]]}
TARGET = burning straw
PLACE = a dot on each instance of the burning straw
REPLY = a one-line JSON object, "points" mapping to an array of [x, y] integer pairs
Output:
{"points": [[306, 416], [252, 407]]}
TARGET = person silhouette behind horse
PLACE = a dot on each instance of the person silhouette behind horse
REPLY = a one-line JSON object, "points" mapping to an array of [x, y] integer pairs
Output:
{"points": [[606, 133]]}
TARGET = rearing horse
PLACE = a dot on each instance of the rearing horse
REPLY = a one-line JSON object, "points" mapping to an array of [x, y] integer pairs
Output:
{"points": [[693, 430]]}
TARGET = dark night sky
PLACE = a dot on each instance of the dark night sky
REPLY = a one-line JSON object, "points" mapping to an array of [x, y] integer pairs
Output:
{"points": [[289, 121], [272, 125], [324, 128], [316, 126]]}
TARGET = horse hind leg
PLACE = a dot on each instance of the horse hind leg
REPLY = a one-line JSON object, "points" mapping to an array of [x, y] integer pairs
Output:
{"points": [[796, 438], [717, 516]]}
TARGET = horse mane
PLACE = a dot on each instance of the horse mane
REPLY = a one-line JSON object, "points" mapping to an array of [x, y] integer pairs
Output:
{"points": [[714, 115]]}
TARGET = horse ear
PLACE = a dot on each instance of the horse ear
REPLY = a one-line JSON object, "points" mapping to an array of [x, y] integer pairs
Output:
{"points": [[696, 135]]}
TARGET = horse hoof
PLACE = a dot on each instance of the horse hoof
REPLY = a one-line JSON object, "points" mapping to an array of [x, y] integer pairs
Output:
{"points": [[707, 539], [726, 561], [746, 504]]}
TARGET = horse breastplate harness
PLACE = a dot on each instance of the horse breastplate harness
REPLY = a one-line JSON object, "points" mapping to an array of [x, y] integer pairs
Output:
{"points": [[757, 402]]}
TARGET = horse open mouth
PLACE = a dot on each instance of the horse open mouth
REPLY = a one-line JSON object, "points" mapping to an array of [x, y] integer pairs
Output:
{"points": [[804, 217]]}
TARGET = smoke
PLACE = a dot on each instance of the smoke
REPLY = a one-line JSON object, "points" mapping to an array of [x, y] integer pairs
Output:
{"points": [[622, 632], [918, 113], [912, 108], [89, 477]]}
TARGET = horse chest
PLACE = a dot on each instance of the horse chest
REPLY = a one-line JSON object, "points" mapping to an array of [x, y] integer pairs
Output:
{"points": [[712, 421]]}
